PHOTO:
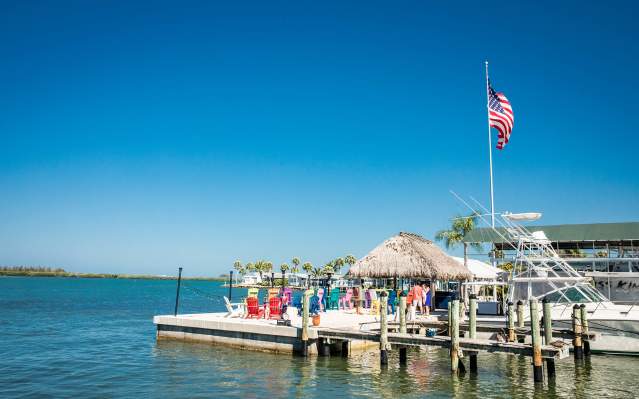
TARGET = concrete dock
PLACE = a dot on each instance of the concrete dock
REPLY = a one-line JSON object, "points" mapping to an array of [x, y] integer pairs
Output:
{"points": [[260, 334]]}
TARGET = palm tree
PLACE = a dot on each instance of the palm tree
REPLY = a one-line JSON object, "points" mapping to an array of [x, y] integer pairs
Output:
{"points": [[283, 268], [458, 229], [350, 260], [338, 264], [249, 267], [317, 272], [308, 266], [296, 264], [237, 265]]}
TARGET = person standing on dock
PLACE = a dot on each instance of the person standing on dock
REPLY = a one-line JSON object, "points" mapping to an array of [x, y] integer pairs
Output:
{"points": [[426, 297], [418, 297]]}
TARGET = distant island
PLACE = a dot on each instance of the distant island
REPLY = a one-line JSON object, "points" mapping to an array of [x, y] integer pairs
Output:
{"points": [[39, 271]]}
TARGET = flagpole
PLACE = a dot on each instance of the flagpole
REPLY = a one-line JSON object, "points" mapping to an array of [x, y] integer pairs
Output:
{"points": [[490, 153]]}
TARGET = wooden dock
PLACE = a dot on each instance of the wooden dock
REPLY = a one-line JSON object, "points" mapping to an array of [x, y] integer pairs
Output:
{"points": [[469, 345]]}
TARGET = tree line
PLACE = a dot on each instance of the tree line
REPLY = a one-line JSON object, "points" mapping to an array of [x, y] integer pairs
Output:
{"points": [[263, 266], [38, 269]]}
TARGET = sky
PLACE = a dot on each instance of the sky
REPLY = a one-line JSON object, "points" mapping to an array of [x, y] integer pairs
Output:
{"points": [[136, 137]]}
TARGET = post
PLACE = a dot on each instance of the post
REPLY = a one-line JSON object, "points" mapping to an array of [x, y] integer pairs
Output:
{"points": [[177, 294], [272, 279], [538, 371], [490, 157], [520, 314], [454, 336], [344, 348], [550, 363], [511, 323], [305, 309], [403, 358], [576, 330], [584, 329], [231, 285], [450, 318], [383, 326], [472, 316]]}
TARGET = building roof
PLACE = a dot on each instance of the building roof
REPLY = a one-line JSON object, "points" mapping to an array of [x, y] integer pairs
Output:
{"points": [[613, 233], [479, 269], [409, 255]]}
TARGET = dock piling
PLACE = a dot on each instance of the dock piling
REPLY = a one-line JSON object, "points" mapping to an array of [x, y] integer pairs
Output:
{"points": [[538, 372], [383, 327], [449, 318], [547, 309], [177, 294], [576, 330], [520, 314], [305, 307], [403, 358], [584, 329], [511, 323], [454, 336], [344, 348], [231, 285], [472, 316]]}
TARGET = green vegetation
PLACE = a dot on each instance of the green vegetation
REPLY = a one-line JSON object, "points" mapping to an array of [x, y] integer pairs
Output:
{"points": [[28, 271], [461, 226]]}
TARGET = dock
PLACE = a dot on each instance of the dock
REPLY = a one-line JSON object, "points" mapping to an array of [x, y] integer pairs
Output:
{"points": [[342, 332]]}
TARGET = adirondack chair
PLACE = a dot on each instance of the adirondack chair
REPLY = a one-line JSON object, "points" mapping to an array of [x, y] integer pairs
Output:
{"points": [[320, 297], [314, 305], [275, 308], [333, 299], [392, 298], [273, 292], [367, 299], [372, 294], [233, 309], [286, 295], [253, 292], [253, 308], [346, 299]]}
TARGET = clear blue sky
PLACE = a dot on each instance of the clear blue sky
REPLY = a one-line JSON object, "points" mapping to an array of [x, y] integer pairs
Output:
{"points": [[139, 136]]}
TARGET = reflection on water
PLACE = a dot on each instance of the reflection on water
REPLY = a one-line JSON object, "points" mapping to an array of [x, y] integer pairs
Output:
{"points": [[95, 338], [427, 372]]}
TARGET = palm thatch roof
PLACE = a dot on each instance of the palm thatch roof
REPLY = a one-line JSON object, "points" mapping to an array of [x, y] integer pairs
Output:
{"points": [[409, 255]]}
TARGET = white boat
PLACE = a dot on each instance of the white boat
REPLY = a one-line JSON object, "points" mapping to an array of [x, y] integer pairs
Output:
{"points": [[539, 272]]}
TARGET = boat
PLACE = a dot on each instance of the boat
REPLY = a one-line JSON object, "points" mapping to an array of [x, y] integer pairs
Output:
{"points": [[539, 272]]}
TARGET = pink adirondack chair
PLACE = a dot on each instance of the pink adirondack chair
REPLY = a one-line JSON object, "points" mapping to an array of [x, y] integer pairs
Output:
{"points": [[320, 295], [346, 299]]}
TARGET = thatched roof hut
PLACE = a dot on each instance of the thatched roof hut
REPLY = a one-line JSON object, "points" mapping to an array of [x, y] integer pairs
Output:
{"points": [[409, 255]]}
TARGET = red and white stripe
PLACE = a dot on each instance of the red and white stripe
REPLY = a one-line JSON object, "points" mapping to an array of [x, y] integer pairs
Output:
{"points": [[503, 122]]}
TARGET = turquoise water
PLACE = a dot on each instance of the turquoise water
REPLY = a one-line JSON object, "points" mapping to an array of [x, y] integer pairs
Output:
{"points": [[95, 338]]}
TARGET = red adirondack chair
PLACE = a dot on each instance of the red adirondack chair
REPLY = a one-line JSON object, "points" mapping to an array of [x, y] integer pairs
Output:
{"points": [[275, 308], [253, 308]]}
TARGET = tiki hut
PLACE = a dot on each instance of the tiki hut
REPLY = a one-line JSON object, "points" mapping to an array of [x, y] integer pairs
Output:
{"points": [[409, 255]]}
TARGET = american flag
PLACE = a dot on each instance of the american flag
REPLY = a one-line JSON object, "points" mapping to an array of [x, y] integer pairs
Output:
{"points": [[501, 116]]}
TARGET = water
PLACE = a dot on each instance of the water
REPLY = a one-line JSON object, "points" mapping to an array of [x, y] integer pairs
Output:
{"points": [[95, 338]]}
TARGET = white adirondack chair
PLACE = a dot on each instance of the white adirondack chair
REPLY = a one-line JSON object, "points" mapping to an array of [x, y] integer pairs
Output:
{"points": [[233, 309]]}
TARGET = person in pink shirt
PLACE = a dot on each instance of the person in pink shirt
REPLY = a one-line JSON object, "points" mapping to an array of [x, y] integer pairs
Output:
{"points": [[418, 299]]}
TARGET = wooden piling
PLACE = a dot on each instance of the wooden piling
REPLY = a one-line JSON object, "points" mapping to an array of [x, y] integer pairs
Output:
{"points": [[403, 358], [538, 372], [472, 324], [578, 349], [520, 314], [344, 348], [449, 318], [383, 328], [584, 329], [454, 336], [550, 363], [511, 323], [305, 309]]}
